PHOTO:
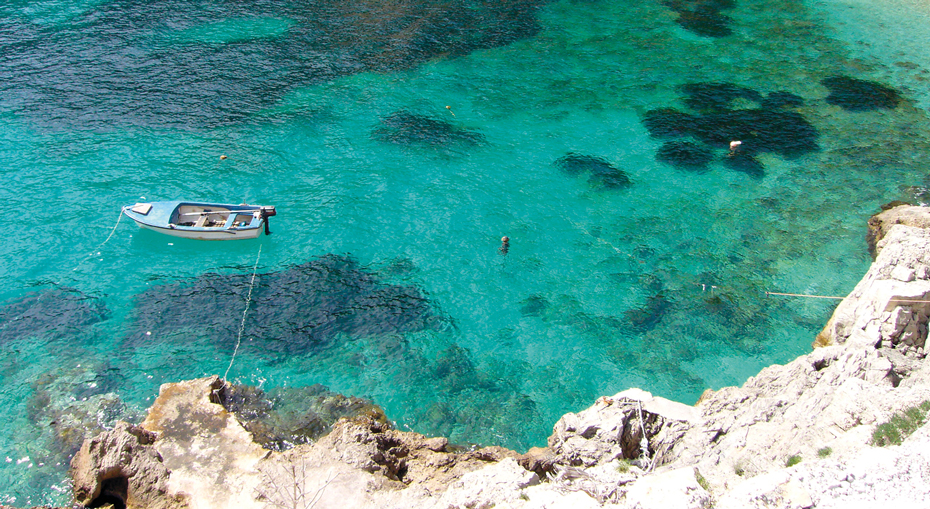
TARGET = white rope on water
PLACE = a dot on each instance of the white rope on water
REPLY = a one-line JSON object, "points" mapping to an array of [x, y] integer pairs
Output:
{"points": [[96, 251], [248, 301], [597, 238]]}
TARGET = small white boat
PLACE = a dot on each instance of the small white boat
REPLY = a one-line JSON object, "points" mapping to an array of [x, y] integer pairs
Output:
{"points": [[202, 221]]}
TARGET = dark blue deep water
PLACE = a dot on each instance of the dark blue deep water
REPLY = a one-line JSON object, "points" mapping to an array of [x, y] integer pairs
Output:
{"points": [[399, 142]]}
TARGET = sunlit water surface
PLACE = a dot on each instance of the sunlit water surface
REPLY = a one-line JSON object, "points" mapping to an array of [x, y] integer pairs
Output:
{"points": [[399, 144]]}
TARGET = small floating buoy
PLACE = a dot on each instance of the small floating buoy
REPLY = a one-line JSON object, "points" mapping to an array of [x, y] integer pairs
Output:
{"points": [[223, 156], [450, 110]]}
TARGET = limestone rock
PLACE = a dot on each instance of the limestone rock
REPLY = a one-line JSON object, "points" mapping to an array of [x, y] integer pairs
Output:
{"points": [[495, 484], [832, 397], [538, 459], [891, 305], [410, 458], [308, 477], [894, 213], [895, 476], [210, 455], [614, 428], [677, 489], [121, 466]]}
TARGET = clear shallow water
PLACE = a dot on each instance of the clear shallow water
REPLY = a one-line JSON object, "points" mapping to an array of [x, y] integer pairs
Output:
{"points": [[659, 285]]}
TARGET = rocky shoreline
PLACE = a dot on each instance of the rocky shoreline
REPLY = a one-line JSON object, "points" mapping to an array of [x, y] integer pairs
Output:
{"points": [[794, 436]]}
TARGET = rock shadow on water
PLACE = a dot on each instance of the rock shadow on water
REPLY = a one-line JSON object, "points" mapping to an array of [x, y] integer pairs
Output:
{"points": [[600, 172], [57, 313], [406, 128], [283, 417], [295, 311], [853, 94]]}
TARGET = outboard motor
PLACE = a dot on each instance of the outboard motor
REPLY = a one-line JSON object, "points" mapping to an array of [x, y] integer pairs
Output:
{"points": [[266, 213]]}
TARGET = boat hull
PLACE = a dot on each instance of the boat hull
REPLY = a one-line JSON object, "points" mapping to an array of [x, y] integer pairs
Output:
{"points": [[197, 234]]}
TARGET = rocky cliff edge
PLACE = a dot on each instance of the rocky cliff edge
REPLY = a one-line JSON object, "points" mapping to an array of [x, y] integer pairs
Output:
{"points": [[794, 436]]}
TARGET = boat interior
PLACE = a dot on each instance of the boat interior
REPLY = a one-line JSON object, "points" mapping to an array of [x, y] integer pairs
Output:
{"points": [[198, 216]]}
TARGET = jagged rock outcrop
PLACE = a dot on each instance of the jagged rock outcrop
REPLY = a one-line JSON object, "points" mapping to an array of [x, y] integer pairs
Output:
{"points": [[283, 417], [738, 447], [630, 425], [891, 305], [832, 398], [411, 458], [892, 214], [212, 458], [121, 467]]}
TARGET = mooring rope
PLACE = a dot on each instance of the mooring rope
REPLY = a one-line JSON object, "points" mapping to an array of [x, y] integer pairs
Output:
{"points": [[843, 298], [248, 301], [806, 295], [96, 251], [644, 442]]}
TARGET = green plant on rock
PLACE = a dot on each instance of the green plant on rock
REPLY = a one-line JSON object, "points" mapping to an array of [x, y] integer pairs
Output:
{"points": [[623, 466], [824, 452], [702, 481], [901, 425], [793, 460]]}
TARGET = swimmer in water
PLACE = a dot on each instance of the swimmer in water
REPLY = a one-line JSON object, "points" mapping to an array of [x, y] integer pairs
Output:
{"points": [[505, 245], [733, 146]]}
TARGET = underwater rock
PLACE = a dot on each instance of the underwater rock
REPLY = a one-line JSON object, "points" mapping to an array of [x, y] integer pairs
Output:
{"points": [[650, 315], [407, 128], [781, 100], [294, 311], [602, 173], [201, 82], [59, 313], [287, 416], [744, 162], [786, 133], [534, 305], [853, 94], [400, 266], [75, 403], [454, 370], [703, 17], [685, 155], [667, 123], [770, 127], [705, 97]]}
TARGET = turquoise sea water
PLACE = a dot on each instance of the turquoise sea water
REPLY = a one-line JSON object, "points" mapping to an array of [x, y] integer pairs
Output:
{"points": [[399, 144]]}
